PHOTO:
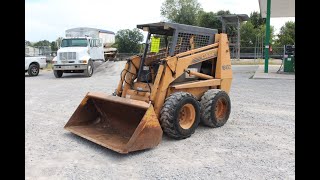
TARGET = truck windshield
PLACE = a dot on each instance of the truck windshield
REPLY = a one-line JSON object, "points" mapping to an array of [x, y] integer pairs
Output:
{"points": [[74, 43]]}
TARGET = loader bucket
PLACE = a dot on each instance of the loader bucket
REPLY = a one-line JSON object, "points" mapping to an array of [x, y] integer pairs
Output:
{"points": [[120, 124]]}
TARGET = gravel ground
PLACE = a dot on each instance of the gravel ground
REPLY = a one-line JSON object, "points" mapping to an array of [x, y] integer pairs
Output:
{"points": [[258, 141]]}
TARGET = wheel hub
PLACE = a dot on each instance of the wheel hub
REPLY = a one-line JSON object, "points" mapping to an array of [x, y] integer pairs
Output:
{"points": [[34, 70], [221, 108], [187, 116]]}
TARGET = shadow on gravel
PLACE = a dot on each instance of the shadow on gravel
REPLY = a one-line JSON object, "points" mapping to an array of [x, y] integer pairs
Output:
{"points": [[106, 151], [27, 75], [73, 75]]}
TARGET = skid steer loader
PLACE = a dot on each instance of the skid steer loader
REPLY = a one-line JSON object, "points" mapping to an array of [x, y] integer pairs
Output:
{"points": [[183, 77]]}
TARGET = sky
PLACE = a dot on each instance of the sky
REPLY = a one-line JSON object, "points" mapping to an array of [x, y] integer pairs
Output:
{"points": [[48, 19]]}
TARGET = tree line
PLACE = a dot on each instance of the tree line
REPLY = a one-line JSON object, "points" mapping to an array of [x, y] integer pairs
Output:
{"points": [[43, 43], [190, 12]]}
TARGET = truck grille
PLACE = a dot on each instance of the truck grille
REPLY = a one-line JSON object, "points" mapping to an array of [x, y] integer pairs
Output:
{"points": [[67, 55]]}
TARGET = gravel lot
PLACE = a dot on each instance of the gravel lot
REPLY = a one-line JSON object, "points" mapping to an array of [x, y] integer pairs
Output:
{"points": [[258, 141]]}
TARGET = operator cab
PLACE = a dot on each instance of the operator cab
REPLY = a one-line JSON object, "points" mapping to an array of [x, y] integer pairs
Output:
{"points": [[169, 39]]}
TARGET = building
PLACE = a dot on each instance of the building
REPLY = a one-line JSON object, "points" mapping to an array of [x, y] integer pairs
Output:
{"points": [[32, 51]]}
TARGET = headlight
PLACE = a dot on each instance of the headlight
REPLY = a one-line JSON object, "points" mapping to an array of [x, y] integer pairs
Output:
{"points": [[83, 61]]}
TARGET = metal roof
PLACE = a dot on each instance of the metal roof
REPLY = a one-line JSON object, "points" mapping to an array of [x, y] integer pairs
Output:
{"points": [[279, 8], [166, 28], [232, 18], [94, 29]]}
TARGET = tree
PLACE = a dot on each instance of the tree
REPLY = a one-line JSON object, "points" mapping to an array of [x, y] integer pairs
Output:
{"points": [[27, 43], [222, 12], [256, 19], [127, 41], [262, 33], [211, 20], [181, 11], [42, 43], [248, 34], [287, 34], [54, 46], [43, 46], [253, 29]]}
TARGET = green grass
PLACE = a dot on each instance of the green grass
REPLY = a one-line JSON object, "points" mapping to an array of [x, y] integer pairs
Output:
{"points": [[48, 67]]}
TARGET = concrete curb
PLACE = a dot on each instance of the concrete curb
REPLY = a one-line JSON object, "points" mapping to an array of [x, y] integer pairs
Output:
{"points": [[272, 74]]}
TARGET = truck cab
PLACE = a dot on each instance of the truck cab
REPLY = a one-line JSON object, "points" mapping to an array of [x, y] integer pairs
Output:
{"points": [[76, 55]]}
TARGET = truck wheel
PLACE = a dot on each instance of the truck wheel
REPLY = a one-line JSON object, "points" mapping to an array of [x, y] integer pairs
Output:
{"points": [[115, 56], [106, 58], [89, 71], [57, 73], [33, 70], [215, 108], [180, 115]]}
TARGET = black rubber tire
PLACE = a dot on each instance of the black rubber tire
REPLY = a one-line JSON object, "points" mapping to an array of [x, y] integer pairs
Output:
{"points": [[33, 70], [106, 58], [114, 57], [88, 72], [57, 73], [208, 107], [170, 112]]}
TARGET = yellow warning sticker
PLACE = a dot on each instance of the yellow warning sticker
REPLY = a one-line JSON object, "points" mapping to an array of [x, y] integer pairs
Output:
{"points": [[155, 44]]}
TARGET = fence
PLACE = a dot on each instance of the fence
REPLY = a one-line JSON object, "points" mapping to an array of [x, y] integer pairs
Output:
{"points": [[245, 53], [256, 52], [40, 51]]}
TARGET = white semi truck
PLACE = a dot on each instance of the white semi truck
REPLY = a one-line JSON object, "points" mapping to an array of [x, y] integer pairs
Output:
{"points": [[80, 47]]}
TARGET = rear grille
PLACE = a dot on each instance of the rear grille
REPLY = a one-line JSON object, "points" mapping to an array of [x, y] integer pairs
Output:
{"points": [[67, 55]]}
